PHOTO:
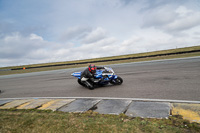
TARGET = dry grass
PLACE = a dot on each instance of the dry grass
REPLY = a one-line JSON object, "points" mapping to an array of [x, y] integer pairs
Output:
{"points": [[34, 121]]}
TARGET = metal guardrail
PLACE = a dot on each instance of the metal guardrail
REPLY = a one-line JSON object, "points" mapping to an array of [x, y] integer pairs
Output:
{"points": [[5, 69]]}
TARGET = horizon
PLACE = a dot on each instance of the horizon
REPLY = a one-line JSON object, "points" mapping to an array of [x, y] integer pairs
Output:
{"points": [[100, 57]]}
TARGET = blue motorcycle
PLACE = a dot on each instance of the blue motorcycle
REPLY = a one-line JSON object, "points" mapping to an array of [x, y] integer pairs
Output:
{"points": [[105, 77]]}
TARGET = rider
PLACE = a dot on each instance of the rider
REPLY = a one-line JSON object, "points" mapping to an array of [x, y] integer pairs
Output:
{"points": [[87, 76]]}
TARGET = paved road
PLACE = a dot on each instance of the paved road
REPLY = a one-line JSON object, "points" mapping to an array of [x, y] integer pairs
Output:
{"points": [[177, 79]]}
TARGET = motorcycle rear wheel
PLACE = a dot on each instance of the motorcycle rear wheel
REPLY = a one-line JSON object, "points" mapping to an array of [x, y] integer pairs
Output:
{"points": [[117, 81]]}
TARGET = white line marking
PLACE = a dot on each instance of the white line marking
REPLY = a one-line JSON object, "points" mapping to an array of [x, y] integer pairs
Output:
{"points": [[109, 98]]}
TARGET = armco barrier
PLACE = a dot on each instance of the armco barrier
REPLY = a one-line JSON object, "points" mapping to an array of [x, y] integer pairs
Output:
{"points": [[128, 58], [5, 69]]}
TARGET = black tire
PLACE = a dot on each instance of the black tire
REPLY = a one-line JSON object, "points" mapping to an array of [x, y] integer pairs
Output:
{"points": [[117, 81], [79, 81], [91, 88]]}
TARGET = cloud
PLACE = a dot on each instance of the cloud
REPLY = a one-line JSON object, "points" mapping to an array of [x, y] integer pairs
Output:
{"points": [[131, 41], [159, 17], [71, 30], [172, 20], [186, 20], [96, 35], [18, 47], [35, 37], [76, 32]]}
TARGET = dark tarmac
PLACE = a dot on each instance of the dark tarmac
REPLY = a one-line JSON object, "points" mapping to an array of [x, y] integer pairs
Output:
{"points": [[177, 79]]}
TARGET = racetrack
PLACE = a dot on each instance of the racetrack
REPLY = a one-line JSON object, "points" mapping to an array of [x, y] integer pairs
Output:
{"points": [[176, 79]]}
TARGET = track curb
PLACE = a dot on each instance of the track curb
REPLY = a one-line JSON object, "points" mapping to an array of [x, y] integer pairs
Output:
{"points": [[133, 107]]}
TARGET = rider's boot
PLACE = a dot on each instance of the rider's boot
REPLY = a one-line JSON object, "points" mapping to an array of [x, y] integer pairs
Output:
{"points": [[89, 85]]}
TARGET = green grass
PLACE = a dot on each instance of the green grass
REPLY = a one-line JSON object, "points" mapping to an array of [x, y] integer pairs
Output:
{"points": [[105, 58], [32, 121]]}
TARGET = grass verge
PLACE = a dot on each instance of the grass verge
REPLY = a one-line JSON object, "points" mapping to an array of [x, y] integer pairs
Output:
{"points": [[31, 121]]}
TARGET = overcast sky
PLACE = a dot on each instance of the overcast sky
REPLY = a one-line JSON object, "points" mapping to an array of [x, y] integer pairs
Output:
{"points": [[41, 31]]}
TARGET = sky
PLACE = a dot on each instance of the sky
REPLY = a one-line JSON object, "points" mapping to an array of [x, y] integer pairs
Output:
{"points": [[44, 31]]}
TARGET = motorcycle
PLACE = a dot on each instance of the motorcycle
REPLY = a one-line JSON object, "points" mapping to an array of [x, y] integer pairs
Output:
{"points": [[104, 77]]}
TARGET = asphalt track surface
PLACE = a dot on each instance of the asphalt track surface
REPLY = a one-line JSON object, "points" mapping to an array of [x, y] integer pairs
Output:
{"points": [[176, 79]]}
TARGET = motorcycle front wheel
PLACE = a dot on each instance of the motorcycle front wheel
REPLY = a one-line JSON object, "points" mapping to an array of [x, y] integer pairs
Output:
{"points": [[117, 81]]}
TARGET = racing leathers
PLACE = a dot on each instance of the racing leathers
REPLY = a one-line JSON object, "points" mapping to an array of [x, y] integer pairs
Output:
{"points": [[88, 79]]}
